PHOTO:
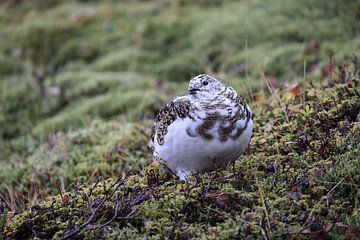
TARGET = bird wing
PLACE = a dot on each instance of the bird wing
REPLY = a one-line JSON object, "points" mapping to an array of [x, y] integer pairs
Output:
{"points": [[180, 107]]}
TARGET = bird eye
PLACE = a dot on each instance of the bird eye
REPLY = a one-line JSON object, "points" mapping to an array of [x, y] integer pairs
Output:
{"points": [[205, 83]]}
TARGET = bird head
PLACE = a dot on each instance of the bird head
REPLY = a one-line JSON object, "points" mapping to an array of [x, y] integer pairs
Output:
{"points": [[204, 86]]}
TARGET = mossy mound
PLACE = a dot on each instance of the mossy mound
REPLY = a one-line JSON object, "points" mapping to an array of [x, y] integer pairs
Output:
{"points": [[299, 179], [73, 74], [101, 149]]}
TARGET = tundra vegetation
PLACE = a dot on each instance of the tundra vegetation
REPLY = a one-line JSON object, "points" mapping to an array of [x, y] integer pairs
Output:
{"points": [[81, 82]]}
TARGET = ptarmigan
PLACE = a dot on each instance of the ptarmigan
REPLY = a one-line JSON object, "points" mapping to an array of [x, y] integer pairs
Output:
{"points": [[204, 130]]}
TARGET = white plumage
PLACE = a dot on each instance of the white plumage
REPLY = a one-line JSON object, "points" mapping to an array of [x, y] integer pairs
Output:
{"points": [[204, 130]]}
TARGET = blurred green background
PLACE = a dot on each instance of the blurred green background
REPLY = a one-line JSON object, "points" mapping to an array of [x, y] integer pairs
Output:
{"points": [[81, 81]]}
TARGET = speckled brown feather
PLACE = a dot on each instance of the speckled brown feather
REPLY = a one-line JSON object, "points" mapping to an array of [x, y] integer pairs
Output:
{"points": [[178, 108], [203, 130], [184, 108], [209, 123], [211, 119]]}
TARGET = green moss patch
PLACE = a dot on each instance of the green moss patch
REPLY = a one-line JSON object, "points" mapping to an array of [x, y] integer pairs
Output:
{"points": [[299, 178]]}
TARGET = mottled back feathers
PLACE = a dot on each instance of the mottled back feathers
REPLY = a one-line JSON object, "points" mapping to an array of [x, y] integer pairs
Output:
{"points": [[206, 129], [222, 109], [178, 108]]}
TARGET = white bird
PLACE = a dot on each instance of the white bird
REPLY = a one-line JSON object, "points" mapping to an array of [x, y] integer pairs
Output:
{"points": [[204, 130]]}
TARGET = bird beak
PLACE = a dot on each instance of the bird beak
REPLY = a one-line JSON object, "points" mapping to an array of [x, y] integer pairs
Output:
{"points": [[193, 91]]}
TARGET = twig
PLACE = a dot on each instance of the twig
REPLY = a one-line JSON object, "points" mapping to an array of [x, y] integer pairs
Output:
{"points": [[355, 62], [304, 226], [130, 213], [60, 192], [335, 186], [211, 181], [263, 233], [263, 202], [246, 57], [84, 224], [349, 184], [93, 187], [331, 65], [301, 231], [123, 208], [94, 211], [114, 217], [304, 83]]}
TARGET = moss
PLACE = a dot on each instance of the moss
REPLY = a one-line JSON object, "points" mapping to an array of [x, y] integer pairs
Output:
{"points": [[97, 150], [291, 182], [106, 64]]}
